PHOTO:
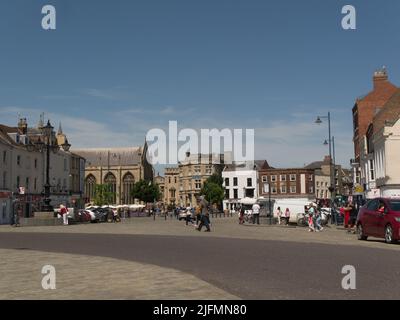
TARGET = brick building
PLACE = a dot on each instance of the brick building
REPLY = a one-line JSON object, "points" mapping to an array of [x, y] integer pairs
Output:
{"points": [[380, 152], [364, 111], [287, 183]]}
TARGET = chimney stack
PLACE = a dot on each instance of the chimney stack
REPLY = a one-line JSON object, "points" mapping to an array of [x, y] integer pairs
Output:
{"points": [[380, 77]]}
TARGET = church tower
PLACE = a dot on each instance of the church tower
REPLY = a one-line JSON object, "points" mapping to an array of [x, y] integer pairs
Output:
{"points": [[61, 137]]}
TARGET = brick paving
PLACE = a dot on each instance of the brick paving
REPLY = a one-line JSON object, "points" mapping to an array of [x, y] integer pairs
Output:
{"points": [[81, 277]]}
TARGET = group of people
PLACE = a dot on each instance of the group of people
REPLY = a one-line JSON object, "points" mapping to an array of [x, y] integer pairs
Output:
{"points": [[349, 213], [314, 218], [199, 216], [255, 214], [283, 217]]}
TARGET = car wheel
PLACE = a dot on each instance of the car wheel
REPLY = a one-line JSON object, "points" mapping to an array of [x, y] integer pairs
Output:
{"points": [[301, 222], [360, 233], [389, 234]]}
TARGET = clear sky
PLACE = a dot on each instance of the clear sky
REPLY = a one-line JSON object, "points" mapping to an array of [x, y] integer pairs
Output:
{"points": [[115, 69]]}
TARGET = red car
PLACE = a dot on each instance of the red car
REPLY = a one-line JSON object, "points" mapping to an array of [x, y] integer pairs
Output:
{"points": [[379, 218]]}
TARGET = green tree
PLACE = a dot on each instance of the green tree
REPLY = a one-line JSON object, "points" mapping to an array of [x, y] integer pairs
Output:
{"points": [[213, 193], [215, 178], [103, 195], [146, 191]]}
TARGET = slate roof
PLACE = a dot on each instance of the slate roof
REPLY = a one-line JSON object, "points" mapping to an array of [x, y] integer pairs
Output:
{"points": [[110, 156]]}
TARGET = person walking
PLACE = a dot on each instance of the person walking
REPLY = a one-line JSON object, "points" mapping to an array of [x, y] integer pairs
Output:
{"points": [[318, 219], [279, 214], [204, 218], [311, 211], [64, 214], [256, 213]]}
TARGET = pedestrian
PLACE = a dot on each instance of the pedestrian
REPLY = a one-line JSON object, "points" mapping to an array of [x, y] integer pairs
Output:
{"points": [[256, 213], [287, 216], [241, 214], [353, 217], [205, 216], [311, 211], [317, 218], [347, 210], [279, 214], [64, 214], [15, 219]]}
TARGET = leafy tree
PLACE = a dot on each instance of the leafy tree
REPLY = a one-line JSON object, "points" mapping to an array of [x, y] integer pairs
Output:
{"points": [[213, 193], [103, 195], [146, 191], [215, 178]]}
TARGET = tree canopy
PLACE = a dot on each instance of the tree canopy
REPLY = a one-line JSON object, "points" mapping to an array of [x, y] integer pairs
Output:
{"points": [[146, 191], [103, 195], [213, 190]]}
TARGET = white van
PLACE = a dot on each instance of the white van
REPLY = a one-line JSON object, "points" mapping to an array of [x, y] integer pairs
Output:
{"points": [[295, 206]]}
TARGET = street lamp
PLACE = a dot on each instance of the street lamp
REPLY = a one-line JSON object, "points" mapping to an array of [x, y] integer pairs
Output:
{"points": [[329, 142], [49, 143]]}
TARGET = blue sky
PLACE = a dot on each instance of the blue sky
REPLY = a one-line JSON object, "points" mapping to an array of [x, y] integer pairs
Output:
{"points": [[115, 69]]}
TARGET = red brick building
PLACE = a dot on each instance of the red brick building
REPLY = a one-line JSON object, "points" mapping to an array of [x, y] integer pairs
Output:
{"points": [[287, 183], [368, 106]]}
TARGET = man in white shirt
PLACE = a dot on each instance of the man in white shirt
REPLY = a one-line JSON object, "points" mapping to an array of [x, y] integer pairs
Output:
{"points": [[256, 213]]}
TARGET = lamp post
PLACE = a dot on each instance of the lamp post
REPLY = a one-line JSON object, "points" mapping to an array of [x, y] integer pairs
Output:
{"points": [[48, 144], [329, 142]]}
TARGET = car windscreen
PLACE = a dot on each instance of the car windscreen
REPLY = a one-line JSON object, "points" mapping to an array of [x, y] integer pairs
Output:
{"points": [[395, 205]]}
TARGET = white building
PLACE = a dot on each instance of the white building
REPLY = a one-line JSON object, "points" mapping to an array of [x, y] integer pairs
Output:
{"points": [[240, 180], [383, 163]]}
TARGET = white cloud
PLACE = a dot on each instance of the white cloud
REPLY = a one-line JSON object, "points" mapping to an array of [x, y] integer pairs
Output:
{"points": [[293, 142]]}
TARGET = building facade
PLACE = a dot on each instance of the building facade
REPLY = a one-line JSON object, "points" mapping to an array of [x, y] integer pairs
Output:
{"points": [[171, 186], [160, 181], [322, 177], [23, 172], [287, 183], [183, 184], [379, 158], [119, 168], [240, 180], [364, 111]]}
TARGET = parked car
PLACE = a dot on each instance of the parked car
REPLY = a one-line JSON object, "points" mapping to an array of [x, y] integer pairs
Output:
{"points": [[101, 214], [83, 216], [183, 214], [379, 218]]}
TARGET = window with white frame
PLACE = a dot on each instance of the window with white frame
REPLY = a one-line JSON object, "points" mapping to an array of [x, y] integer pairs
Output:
{"points": [[273, 178], [283, 189], [371, 170], [293, 189], [283, 177], [264, 178], [292, 177]]}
